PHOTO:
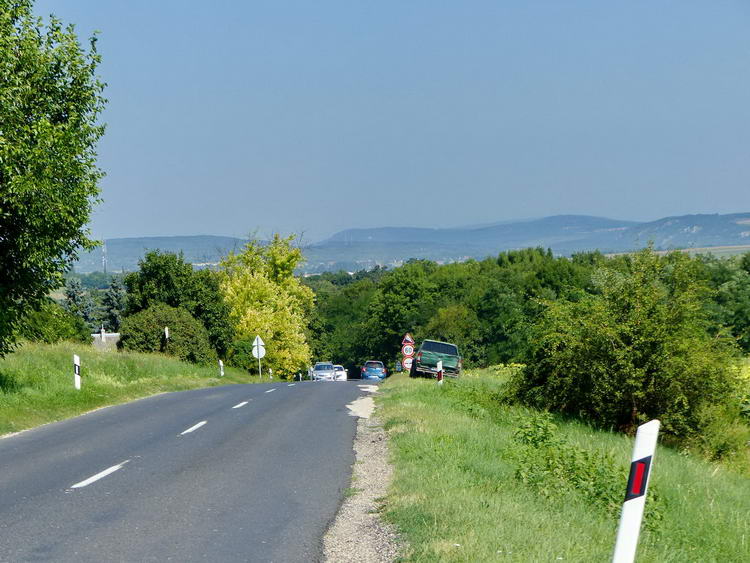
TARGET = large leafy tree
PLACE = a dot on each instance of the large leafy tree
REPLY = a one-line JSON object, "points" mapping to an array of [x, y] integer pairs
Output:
{"points": [[639, 348], [165, 277], [267, 300], [50, 99]]}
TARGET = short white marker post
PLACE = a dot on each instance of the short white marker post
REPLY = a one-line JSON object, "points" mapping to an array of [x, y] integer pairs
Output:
{"points": [[440, 372], [635, 494], [221, 368], [77, 371]]}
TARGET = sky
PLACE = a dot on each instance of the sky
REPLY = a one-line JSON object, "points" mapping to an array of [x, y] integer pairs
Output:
{"points": [[234, 117]]}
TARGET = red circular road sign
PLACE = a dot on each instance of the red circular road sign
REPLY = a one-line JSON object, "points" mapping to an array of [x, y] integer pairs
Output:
{"points": [[407, 350], [407, 363]]}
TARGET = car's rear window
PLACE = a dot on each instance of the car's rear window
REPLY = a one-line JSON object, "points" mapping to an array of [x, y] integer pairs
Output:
{"points": [[440, 347], [374, 365], [324, 366]]}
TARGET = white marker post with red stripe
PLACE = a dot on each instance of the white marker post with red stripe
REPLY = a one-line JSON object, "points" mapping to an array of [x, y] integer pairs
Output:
{"points": [[635, 494], [440, 372]]}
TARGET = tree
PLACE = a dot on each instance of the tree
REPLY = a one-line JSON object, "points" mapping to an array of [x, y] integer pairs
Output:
{"points": [[50, 100], [51, 323], [114, 303], [266, 299], [188, 338], [457, 324], [165, 277], [638, 349], [79, 302]]}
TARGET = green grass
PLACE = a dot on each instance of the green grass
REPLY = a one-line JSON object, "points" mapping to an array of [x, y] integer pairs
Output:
{"points": [[36, 381], [456, 496]]}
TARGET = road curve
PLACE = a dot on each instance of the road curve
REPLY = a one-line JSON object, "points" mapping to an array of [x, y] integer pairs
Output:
{"points": [[234, 473]]}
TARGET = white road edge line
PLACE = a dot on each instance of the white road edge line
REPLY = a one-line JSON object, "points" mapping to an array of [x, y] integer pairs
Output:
{"points": [[242, 404], [291, 385], [201, 423], [274, 389], [99, 475]]}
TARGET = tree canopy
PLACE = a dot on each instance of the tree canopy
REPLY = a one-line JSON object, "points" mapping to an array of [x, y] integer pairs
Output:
{"points": [[50, 100], [267, 300]]}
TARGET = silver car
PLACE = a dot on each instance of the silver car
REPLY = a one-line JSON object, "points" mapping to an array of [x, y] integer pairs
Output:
{"points": [[323, 371]]}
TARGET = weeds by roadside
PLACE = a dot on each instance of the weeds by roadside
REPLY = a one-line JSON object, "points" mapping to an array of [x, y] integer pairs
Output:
{"points": [[479, 480]]}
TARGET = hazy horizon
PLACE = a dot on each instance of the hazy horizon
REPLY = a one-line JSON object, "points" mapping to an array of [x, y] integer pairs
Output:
{"points": [[314, 118]]}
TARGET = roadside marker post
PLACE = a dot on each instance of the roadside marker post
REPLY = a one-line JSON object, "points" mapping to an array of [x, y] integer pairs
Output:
{"points": [[635, 494], [77, 371], [221, 368], [440, 372]]}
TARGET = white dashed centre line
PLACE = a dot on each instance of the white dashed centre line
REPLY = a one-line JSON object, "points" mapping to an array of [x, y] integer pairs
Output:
{"points": [[271, 390], [240, 405], [192, 428], [291, 385], [99, 475]]}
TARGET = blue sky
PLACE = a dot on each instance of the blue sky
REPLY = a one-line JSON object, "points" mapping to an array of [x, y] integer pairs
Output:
{"points": [[232, 116]]}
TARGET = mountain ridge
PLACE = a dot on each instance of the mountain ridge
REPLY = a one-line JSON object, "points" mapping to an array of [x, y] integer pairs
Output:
{"points": [[361, 248]]}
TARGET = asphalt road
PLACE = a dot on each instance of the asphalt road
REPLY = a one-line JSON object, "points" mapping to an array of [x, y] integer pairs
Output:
{"points": [[259, 482]]}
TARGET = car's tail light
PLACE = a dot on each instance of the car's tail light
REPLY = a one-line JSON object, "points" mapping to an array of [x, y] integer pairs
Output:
{"points": [[419, 357]]}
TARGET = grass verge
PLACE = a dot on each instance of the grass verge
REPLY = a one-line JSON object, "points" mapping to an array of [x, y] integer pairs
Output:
{"points": [[476, 480], [36, 381]]}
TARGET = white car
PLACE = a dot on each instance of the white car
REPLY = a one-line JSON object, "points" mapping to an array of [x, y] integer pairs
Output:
{"points": [[340, 373], [323, 371]]}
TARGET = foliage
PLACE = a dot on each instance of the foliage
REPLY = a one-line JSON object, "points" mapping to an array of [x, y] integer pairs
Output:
{"points": [[165, 277], [95, 280], [162, 277], [188, 338], [79, 302], [460, 325], [50, 99], [636, 350], [51, 323], [550, 464], [267, 300], [457, 495], [113, 304], [484, 306], [730, 278]]}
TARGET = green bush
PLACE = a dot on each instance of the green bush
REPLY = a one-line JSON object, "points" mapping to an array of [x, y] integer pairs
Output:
{"points": [[188, 338], [638, 349], [552, 466], [51, 323], [241, 355]]}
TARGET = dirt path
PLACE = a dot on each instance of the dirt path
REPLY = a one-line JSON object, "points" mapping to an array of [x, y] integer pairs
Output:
{"points": [[359, 534]]}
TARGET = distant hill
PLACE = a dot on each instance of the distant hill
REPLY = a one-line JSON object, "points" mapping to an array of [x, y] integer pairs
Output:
{"points": [[564, 234], [355, 249], [124, 253]]}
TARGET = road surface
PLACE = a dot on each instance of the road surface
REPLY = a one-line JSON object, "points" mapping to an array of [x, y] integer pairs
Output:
{"points": [[235, 473]]}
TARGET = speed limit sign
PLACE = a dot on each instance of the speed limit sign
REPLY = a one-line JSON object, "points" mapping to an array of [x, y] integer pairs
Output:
{"points": [[407, 350]]}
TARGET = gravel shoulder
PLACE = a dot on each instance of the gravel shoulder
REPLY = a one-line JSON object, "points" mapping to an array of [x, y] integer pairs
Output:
{"points": [[359, 534]]}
